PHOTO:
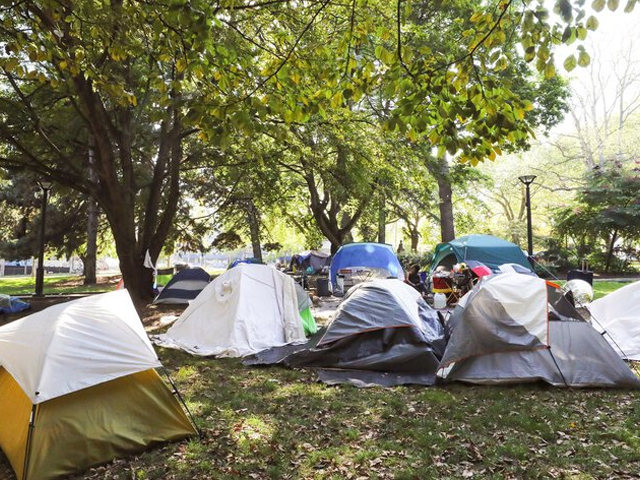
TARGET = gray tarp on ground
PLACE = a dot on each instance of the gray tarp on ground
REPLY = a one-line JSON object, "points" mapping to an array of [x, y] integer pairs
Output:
{"points": [[383, 334], [582, 359]]}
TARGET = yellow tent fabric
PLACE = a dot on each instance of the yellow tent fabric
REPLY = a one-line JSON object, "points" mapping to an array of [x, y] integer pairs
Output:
{"points": [[88, 427], [15, 410]]}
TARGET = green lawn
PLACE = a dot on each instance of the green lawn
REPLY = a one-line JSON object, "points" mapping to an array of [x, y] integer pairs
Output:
{"points": [[52, 284], [276, 423], [601, 288]]}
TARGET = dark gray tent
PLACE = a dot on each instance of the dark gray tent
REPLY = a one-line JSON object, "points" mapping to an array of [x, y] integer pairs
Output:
{"points": [[501, 333], [184, 286], [382, 334]]}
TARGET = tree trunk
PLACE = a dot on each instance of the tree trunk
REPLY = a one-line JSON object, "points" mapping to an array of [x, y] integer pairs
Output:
{"points": [[415, 238], [90, 258], [447, 230], [253, 218], [612, 243], [382, 218]]}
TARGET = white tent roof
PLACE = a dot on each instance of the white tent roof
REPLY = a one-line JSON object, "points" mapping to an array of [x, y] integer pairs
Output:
{"points": [[243, 311], [618, 314], [76, 345]]}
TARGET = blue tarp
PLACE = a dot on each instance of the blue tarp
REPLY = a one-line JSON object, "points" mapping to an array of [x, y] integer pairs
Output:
{"points": [[373, 255], [244, 260], [15, 306]]}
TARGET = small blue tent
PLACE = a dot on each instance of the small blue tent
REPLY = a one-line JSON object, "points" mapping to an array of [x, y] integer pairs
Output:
{"points": [[491, 251], [184, 286], [372, 255], [238, 261]]}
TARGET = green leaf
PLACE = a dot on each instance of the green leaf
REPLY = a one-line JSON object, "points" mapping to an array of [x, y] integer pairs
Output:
{"points": [[581, 32], [630, 6], [598, 5], [592, 23], [570, 63], [613, 5], [584, 59], [550, 70]]}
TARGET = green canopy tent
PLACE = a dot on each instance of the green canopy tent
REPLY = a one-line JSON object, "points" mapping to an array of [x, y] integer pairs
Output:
{"points": [[486, 249]]}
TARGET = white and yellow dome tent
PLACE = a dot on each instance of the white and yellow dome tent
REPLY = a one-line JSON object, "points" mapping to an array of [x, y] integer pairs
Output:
{"points": [[78, 387]]}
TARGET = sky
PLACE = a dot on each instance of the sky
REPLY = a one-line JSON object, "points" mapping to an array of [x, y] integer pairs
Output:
{"points": [[615, 33]]}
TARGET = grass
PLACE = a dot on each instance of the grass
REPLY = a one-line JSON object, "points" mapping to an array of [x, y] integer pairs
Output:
{"points": [[276, 423], [56, 284]]}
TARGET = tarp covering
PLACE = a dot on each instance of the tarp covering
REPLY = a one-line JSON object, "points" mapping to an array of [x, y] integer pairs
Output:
{"points": [[76, 345], [88, 427], [618, 314], [373, 255], [383, 334], [184, 286], [578, 357], [489, 250], [243, 311]]}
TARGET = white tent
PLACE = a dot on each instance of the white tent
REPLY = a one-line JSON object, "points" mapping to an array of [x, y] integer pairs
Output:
{"points": [[75, 345], [78, 387], [243, 311], [618, 314]]}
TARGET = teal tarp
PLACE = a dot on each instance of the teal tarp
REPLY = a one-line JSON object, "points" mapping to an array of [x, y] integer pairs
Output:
{"points": [[491, 251]]}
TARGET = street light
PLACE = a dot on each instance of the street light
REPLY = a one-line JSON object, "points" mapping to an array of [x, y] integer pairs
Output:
{"points": [[528, 180], [45, 185]]}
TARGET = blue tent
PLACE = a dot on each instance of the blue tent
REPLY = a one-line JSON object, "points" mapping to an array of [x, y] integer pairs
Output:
{"points": [[491, 251], [184, 286], [238, 261], [372, 255]]}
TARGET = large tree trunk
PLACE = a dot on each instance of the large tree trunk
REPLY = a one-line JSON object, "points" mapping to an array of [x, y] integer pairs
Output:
{"points": [[253, 219], [90, 258], [447, 230]]}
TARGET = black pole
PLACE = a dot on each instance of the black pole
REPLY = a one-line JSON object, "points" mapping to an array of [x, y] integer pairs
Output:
{"points": [[40, 270], [529, 231]]}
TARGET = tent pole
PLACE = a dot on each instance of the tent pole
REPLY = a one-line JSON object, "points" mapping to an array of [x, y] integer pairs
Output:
{"points": [[27, 452], [176, 392], [558, 367]]}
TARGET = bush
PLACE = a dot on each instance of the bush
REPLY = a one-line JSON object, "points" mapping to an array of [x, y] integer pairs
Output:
{"points": [[421, 258]]}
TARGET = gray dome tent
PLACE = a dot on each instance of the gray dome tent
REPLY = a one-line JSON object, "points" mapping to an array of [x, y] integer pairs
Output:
{"points": [[501, 333], [382, 334]]}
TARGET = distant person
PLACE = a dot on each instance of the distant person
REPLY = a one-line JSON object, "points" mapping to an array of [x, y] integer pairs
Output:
{"points": [[400, 247], [413, 278]]}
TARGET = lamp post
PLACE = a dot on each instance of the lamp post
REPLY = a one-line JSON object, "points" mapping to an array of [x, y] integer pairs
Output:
{"points": [[45, 185], [528, 180]]}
